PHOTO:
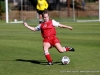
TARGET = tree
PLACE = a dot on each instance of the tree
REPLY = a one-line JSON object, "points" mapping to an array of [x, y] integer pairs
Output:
{"points": [[2, 8]]}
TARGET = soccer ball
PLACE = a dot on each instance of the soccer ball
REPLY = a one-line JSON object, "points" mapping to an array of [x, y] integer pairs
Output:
{"points": [[65, 60]]}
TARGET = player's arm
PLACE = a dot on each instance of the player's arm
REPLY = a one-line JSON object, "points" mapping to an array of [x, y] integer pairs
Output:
{"points": [[29, 27], [37, 6], [57, 24], [46, 5], [65, 26]]}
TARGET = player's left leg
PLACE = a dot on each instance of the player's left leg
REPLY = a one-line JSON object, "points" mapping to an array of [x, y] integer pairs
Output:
{"points": [[69, 48], [63, 49], [57, 45], [60, 48]]}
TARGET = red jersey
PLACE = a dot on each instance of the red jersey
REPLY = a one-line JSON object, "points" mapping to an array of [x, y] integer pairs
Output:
{"points": [[47, 29]]}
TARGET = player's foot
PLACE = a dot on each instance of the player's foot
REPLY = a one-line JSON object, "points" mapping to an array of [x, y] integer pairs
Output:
{"points": [[50, 63], [70, 49]]}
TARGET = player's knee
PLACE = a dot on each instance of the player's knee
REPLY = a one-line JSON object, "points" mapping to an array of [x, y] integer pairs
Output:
{"points": [[46, 52]]}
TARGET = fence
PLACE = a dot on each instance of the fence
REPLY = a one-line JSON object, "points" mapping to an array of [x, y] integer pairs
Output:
{"points": [[24, 10]]}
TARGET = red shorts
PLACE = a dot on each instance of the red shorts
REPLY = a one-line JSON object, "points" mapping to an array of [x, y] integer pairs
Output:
{"points": [[52, 40]]}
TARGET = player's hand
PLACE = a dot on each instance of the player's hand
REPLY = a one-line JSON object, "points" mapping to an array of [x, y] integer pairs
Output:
{"points": [[25, 24], [70, 28]]}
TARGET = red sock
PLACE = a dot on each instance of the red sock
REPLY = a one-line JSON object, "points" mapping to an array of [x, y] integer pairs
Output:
{"points": [[67, 49], [48, 57]]}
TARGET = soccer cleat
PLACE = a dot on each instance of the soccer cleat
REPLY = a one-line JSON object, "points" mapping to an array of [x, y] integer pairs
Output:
{"points": [[70, 49], [50, 63]]}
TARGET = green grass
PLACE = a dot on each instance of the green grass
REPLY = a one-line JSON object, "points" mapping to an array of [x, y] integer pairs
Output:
{"points": [[21, 50]]}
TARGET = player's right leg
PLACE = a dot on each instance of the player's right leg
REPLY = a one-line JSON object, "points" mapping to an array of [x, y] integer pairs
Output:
{"points": [[46, 47], [40, 18], [40, 15]]}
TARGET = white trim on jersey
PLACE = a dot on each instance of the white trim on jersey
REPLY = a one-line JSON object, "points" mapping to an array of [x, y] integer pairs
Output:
{"points": [[55, 23]]}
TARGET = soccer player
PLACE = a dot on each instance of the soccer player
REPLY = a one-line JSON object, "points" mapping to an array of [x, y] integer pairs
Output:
{"points": [[42, 5], [48, 32]]}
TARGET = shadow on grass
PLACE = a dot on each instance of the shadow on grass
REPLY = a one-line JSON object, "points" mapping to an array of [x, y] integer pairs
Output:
{"points": [[41, 62]]}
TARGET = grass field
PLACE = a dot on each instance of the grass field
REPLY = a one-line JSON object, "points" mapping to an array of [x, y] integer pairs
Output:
{"points": [[21, 50]]}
